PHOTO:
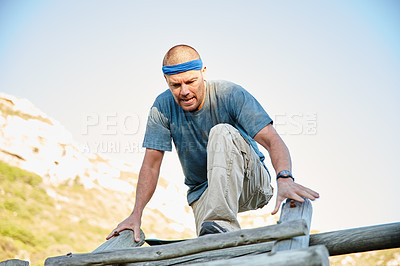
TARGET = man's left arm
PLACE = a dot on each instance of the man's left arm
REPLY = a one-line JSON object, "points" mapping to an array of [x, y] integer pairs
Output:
{"points": [[280, 158]]}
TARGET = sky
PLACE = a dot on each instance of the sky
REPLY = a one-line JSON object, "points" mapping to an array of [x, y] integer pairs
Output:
{"points": [[327, 72]]}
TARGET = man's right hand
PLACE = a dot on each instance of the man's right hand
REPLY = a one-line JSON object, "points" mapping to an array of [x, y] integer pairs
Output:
{"points": [[147, 182], [131, 223]]}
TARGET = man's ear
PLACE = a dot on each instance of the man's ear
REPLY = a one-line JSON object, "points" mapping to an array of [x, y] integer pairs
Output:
{"points": [[203, 71]]}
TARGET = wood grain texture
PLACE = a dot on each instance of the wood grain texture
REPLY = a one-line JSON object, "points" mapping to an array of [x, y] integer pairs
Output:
{"points": [[359, 239], [212, 255], [125, 239], [337, 242], [204, 243], [293, 210], [311, 256], [14, 262]]}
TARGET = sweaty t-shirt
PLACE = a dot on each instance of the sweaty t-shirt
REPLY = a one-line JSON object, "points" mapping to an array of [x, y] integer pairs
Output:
{"points": [[225, 102]]}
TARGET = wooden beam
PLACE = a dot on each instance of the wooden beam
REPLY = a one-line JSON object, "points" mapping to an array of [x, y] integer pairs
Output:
{"points": [[293, 210], [337, 242], [359, 239], [204, 243], [316, 256], [125, 239], [205, 256]]}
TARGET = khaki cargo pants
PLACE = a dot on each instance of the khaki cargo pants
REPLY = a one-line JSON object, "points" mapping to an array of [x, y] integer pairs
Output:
{"points": [[237, 180]]}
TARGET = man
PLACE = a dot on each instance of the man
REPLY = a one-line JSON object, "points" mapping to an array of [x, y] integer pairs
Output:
{"points": [[214, 126]]}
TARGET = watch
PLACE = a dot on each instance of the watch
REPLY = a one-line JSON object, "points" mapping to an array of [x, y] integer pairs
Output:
{"points": [[284, 174]]}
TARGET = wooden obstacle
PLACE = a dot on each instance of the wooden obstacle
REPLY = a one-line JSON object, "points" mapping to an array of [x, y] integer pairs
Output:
{"points": [[286, 243], [335, 242], [191, 246], [291, 236]]}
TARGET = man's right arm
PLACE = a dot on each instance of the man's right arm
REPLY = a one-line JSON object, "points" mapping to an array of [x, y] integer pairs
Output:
{"points": [[148, 177]]}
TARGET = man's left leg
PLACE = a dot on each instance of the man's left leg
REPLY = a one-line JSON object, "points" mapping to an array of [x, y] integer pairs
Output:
{"points": [[237, 181]]}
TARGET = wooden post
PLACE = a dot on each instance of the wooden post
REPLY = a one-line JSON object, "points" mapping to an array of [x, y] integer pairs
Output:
{"points": [[204, 243], [14, 262], [293, 210], [125, 239]]}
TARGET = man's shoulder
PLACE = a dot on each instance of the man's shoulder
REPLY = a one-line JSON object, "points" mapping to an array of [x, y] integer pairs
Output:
{"points": [[224, 84], [164, 99], [225, 88], [165, 95]]}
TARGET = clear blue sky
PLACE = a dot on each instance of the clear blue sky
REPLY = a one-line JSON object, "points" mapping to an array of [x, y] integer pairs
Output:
{"points": [[327, 71]]}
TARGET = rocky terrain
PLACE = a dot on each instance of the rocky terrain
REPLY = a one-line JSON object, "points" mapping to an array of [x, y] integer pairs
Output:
{"points": [[31, 140], [86, 189]]}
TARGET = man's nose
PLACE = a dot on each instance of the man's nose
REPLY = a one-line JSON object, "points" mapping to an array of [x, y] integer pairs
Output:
{"points": [[184, 90]]}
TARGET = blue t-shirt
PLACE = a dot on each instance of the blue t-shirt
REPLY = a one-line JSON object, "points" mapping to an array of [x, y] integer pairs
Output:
{"points": [[225, 102]]}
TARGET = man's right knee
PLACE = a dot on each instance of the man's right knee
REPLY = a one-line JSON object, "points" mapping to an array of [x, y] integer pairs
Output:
{"points": [[220, 129], [220, 137]]}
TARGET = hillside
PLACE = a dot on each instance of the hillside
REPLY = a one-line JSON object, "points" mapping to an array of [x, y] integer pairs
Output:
{"points": [[38, 221], [56, 199]]}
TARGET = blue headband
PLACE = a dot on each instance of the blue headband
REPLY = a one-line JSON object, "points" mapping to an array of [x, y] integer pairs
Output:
{"points": [[176, 69]]}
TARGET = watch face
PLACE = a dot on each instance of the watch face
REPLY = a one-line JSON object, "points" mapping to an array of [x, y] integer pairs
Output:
{"points": [[284, 173]]}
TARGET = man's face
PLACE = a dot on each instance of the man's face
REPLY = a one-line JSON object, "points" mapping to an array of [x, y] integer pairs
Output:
{"points": [[188, 89]]}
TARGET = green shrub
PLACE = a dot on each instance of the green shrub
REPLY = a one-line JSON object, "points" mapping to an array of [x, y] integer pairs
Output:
{"points": [[11, 205], [39, 195], [17, 232], [12, 174]]}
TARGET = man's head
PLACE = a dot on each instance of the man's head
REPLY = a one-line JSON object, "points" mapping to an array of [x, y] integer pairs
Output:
{"points": [[187, 86]]}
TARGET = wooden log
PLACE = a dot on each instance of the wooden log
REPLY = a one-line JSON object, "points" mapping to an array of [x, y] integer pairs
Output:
{"points": [[337, 242], [293, 210], [310, 256], [14, 262], [125, 239], [359, 239], [204, 243], [212, 255]]}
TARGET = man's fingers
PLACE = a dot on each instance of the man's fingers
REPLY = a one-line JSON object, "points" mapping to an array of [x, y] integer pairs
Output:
{"points": [[297, 197], [309, 194], [277, 205], [301, 191], [115, 232], [110, 235], [136, 232], [293, 191], [313, 193]]}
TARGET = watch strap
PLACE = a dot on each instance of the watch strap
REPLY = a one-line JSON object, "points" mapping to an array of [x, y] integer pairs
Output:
{"points": [[284, 174]]}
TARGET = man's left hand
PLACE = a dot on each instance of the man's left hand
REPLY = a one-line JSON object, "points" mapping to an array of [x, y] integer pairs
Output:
{"points": [[287, 188]]}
